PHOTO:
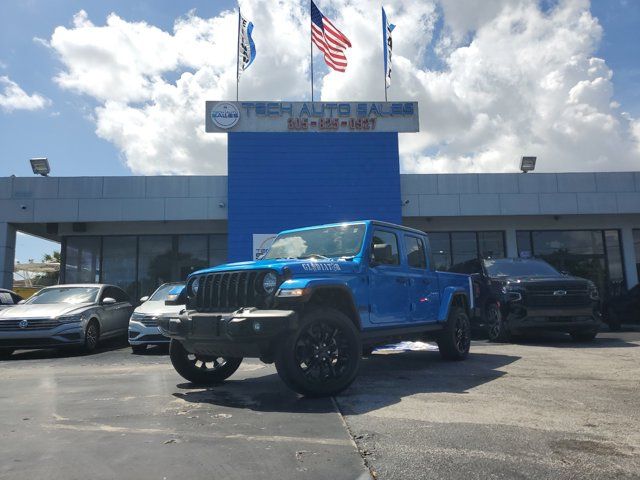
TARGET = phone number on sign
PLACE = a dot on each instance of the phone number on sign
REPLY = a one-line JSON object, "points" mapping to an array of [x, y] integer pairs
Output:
{"points": [[329, 124]]}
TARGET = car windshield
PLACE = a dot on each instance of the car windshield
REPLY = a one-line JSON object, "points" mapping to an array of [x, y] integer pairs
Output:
{"points": [[163, 291], [519, 268], [338, 241], [70, 295]]}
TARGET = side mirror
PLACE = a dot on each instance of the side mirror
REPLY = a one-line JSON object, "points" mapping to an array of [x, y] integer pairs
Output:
{"points": [[22, 302], [108, 301], [144, 299]]}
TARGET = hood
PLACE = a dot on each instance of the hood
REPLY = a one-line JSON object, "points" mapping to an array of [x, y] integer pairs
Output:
{"points": [[295, 266], [46, 310], [539, 280], [157, 308]]}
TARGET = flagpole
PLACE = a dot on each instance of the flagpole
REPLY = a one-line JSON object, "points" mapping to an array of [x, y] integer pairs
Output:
{"points": [[384, 54], [238, 58], [311, 48]]}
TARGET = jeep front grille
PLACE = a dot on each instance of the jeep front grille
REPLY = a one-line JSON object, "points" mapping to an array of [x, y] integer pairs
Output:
{"points": [[228, 291]]}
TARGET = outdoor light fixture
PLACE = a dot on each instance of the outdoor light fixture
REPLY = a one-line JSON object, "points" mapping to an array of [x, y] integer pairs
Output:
{"points": [[40, 166], [528, 164]]}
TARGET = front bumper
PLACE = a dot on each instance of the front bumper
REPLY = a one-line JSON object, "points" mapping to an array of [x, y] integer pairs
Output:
{"points": [[246, 332], [63, 335], [140, 334], [557, 319]]}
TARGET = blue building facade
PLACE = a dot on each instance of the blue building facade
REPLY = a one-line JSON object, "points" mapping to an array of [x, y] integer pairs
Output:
{"points": [[279, 181]]}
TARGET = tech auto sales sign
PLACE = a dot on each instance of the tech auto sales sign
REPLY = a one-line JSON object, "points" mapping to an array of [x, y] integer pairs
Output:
{"points": [[312, 117]]}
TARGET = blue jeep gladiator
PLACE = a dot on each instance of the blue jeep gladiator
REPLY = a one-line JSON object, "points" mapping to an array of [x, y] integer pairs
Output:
{"points": [[320, 298]]}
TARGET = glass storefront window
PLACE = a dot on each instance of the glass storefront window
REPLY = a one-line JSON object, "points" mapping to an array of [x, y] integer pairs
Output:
{"points": [[636, 245], [192, 255], [592, 254], [440, 250], [217, 249], [82, 260], [450, 249], [119, 263], [155, 259]]}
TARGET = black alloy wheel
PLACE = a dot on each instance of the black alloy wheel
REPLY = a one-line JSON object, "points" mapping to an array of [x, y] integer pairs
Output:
{"points": [[323, 356], [91, 336], [497, 329], [201, 369], [455, 340]]}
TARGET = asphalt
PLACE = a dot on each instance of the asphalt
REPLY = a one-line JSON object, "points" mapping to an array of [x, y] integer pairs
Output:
{"points": [[543, 408]]}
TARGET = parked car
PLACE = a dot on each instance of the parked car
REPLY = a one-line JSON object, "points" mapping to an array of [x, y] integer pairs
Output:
{"points": [[143, 324], [624, 308], [8, 298], [65, 315], [318, 298], [518, 295]]}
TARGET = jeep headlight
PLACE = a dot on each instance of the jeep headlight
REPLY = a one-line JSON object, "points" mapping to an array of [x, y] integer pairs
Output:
{"points": [[77, 318], [270, 282], [195, 285]]}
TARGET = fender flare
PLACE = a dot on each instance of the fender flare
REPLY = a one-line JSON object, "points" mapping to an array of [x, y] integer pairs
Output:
{"points": [[449, 295]]}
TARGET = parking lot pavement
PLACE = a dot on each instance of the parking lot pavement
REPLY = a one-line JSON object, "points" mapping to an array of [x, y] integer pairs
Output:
{"points": [[543, 408], [115, 415]]}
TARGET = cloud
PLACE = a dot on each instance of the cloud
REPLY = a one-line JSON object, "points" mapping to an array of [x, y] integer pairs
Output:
{"points": [[509, 79], [12, 97]]}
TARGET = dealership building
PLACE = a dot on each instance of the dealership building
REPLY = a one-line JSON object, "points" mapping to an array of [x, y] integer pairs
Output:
{"points": [[286, 170]]}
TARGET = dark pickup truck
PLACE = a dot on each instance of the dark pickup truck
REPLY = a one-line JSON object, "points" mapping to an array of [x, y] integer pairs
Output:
{"points": [[514, 296]]}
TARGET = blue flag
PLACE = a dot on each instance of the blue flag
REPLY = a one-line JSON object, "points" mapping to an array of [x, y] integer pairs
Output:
{"points": [[387, 44], [246, 49]]}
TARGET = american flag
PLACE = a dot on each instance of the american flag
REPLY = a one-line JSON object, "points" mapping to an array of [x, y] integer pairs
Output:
{"points": [[329, 40]]}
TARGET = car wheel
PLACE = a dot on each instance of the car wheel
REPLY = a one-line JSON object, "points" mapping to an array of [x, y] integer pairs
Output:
{"points": [[455, 340], [584, 335], [201, 369], [6, 353], [139, 349], [497, 329], [91, 336], [322, 357]]}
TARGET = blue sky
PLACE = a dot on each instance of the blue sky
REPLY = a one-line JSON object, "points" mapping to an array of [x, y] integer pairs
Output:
{"points": [[65, 130]]}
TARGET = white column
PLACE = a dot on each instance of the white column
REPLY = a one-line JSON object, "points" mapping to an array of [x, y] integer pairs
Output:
{"points": [[7, 254], [629, 255], [512, 243]]}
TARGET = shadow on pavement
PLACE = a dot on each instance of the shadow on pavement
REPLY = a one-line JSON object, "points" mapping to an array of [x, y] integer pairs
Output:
{"points": [[563, 340], [69, 351], [389, 376]]}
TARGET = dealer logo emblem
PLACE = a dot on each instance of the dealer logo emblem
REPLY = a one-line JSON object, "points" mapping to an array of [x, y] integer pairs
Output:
{"points": [[23, 324], [225, 115]]}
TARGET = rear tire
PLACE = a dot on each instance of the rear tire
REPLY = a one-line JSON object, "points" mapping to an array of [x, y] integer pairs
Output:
{"points": [[584, 335], [321, 358], [455, 340], [6, 353], [201, 369], [497, 328], [91, 336], [139, 349]]}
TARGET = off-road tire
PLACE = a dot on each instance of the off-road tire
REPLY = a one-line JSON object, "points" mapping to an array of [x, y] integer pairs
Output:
{"points": [[6, 353], [306, 367], [194, 368], [584, 335], [139, 349], [455, 339], [497, 328], [91, 336]]}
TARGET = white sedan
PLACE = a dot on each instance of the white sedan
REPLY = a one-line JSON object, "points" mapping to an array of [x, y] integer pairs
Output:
{"points": [[143, 325]]}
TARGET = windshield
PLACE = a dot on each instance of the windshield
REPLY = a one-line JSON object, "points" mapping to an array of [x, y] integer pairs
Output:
{"points": [[519, 268], [70, 295], [338, 241], [163, 290]]}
